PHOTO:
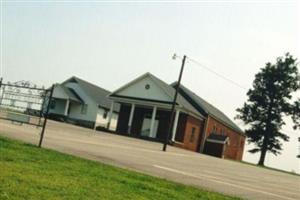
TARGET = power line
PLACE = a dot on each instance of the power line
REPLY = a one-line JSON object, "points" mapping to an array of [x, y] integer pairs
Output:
{"points": [[217, 74], [225, 78]]}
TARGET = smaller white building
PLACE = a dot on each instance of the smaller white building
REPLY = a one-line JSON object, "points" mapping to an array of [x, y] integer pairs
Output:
{"points": [[82, 103]]}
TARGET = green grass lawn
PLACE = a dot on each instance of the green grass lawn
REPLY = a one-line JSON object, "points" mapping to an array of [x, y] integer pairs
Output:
{"points": [[27, 172]]}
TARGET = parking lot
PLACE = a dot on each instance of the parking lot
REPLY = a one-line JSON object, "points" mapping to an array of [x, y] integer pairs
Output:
{"points": [[176, 164]]}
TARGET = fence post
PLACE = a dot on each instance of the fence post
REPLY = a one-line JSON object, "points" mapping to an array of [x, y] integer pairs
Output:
{"points": [[1, 80], [42, 107], [46, 116]]}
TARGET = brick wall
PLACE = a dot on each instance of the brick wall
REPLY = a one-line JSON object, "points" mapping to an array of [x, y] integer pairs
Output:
{"points": [[189, 130], [192, 134], [234, 150]]}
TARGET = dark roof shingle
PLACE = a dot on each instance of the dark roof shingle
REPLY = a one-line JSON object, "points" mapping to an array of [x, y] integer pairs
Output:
{"points": [[98, 94], [204, 106]]}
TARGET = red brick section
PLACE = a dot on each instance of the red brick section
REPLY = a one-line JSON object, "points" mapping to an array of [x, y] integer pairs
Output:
{"points": [[234, 150], [189, 131], [192, 134]]}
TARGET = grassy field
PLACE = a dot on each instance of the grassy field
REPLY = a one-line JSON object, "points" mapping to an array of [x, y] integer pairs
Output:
{"points": [[27, 172]]}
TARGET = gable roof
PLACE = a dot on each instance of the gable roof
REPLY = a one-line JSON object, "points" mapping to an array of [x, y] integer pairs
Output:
{"points": [[98, 94], [206, 108], [65, 93], [168, 90]]}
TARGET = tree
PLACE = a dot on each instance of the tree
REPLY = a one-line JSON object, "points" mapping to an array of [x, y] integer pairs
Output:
{"points": [[296, 119], [296, 114], [267, 103]]}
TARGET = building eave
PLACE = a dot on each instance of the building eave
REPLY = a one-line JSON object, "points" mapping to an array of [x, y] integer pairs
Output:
{"points": [[151, 103]]}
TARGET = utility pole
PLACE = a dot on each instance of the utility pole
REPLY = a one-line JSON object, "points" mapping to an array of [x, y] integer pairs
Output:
{"points": [[298, 156], [173, 105]]}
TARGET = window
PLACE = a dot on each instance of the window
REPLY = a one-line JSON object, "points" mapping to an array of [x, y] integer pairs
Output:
{"points": [[84, 109], [192, 138], [52, 104], [147, 86]]}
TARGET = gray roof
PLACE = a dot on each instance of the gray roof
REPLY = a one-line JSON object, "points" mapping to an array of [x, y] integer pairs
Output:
{"points": [[65, 93], [207, 108], [72, 94], [98, 94]]}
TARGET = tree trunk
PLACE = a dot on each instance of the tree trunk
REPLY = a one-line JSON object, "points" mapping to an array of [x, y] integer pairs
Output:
{"points": [[263, 152], [264, 147]]}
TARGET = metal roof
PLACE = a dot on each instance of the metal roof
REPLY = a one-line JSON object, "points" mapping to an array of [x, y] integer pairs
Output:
{"points": [[206, 108], [98, 94], [66, 93]]}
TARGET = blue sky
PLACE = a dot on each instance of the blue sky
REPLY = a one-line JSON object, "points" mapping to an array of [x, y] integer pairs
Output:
{"points": [[109, 44]]}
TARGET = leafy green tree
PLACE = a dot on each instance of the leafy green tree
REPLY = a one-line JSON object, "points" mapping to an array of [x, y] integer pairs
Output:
{"points": [[268, 102], [296, 114], [296, 118]]}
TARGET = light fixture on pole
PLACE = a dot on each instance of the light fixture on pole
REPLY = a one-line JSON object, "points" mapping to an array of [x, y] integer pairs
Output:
{"points": [[174, 102]]}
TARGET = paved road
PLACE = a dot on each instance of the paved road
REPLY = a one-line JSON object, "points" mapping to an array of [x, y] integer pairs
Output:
{"points": [[176, 164]]}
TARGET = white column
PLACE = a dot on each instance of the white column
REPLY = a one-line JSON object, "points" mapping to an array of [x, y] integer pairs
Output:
{"points": [[110, 114], [67, 107], [175, 125], [130, 118], [153, 121]]}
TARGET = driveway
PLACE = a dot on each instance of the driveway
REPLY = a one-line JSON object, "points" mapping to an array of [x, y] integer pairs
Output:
{"points": [[229, 177]]}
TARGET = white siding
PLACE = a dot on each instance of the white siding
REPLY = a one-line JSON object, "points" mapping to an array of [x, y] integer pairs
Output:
{"points": [[93, 113], [114, 121], [138, 90], [100, 121], [75, 109]]}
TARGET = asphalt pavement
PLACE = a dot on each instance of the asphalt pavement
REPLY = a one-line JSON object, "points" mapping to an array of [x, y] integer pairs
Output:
{"points": [[179, 165]]}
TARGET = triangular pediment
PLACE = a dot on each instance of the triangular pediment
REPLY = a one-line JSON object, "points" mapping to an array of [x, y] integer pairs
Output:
{"points": [[59, 92], [144, 87]]}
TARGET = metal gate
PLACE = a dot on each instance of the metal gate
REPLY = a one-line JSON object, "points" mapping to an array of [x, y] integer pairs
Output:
{"points": [[23, 102]]}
